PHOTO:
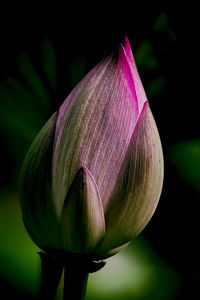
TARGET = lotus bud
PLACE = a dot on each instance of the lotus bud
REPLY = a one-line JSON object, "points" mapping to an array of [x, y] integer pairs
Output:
{"points": [[93, 176]]}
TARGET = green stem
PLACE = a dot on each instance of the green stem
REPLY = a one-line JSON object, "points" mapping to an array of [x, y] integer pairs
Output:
{"points": [[75, 280], [50, 276], [76, 270]]}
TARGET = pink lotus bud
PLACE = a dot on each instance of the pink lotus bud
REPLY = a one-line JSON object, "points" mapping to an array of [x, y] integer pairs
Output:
{"points": [[93, 176]]}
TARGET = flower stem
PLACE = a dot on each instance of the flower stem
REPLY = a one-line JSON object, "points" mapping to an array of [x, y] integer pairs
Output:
{"points": [[76, 271], [50, 276], [75, 280]]}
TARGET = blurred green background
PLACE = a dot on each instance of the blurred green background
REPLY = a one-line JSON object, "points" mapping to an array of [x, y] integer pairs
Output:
{"points": [[43, 55]]}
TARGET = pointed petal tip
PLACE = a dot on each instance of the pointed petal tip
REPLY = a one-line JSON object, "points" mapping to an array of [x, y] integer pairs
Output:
{"points": [[84, 173], [84, 170], [128, 55], [126, 43], [125, 61], [127, 50]]}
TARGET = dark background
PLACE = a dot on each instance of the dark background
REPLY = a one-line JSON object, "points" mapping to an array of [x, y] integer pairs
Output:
{"points": [[165, 43]]}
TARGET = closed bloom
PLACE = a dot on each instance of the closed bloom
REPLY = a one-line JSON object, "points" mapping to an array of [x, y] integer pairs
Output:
{"points": [[93, 176]]}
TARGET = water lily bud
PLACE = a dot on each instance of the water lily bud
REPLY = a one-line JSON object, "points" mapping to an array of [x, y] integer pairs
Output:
{"points": [[93, 176]]}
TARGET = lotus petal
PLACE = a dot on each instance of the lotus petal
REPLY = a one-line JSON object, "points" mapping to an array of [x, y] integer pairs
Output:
{"points": [[82, 220], [35, 188], [138, 187]]}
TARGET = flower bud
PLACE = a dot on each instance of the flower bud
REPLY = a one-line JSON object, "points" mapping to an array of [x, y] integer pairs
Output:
{"points": [[93, 176]]}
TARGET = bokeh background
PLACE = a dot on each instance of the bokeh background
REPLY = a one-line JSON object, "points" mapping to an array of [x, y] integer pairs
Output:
{"points": [[44, 52]]}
